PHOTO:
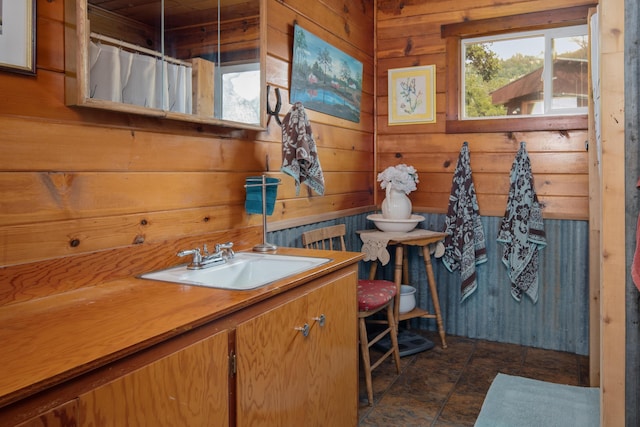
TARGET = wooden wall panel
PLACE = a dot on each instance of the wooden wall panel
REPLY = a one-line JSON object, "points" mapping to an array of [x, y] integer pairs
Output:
{"points": [[454, 11], [426, 43], [37, 197], [65, 273], [47, 56], [113, 25], [615, 277], [80, 182], [559, 159], [344, 24]]}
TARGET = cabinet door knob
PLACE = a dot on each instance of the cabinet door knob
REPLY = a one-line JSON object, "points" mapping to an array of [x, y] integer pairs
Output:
{"points": [[321, 319], [303, 329]]}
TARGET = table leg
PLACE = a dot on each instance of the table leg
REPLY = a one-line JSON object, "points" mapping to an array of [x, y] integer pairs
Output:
{"points": [[434, 293], [405, 268], [406, 280], [373, 269], [397, 278]]}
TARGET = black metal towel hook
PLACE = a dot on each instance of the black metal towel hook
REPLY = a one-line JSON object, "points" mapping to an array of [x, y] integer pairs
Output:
{"points": [[274, 113]]}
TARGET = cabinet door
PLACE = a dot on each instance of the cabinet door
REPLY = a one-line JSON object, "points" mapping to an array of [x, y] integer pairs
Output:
{"points": [[333, 373], [186, 388], [287, 379], [272, 375]]}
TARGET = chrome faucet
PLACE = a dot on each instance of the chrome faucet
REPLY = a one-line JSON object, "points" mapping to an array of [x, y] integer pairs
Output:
{"points": [[203, 259]]}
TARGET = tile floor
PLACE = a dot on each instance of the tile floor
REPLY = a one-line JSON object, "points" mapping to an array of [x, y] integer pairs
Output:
{"points": [[446, 388]]}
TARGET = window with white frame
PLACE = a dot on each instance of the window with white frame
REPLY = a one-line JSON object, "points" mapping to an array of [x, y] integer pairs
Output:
{"points": [[533, 73]]}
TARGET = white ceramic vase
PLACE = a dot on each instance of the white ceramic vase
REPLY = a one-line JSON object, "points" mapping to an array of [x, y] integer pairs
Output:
{"points": [[396, 205]]}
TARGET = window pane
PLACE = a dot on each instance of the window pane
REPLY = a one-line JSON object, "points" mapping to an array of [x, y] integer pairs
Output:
{"points": [[241, 96], [570, 68], [237, 92], [505, 76]]}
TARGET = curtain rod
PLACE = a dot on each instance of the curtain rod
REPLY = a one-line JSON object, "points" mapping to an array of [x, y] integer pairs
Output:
{"points": [[137, 48]]}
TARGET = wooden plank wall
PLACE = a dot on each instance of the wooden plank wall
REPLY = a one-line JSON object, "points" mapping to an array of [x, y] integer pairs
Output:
{"points": [[81, 186], [346, 148], [408, 34], [613, 69]]}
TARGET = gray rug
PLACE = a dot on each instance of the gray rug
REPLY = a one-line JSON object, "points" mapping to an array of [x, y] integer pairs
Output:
{"points": [[523, 402]]}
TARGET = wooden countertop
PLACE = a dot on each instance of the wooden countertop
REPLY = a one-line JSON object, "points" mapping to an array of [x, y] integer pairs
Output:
{"points": [[49, 340]]}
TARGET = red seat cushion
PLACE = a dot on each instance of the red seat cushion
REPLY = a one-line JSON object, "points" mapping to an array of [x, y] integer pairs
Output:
{"points": [[373, 294]]}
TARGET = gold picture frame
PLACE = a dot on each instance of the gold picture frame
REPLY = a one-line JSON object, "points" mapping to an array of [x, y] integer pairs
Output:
{"points": [[18, 36], [412, 93]]}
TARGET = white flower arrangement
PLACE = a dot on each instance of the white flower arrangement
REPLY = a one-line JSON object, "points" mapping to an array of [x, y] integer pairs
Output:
{"points": [[400, 177]]}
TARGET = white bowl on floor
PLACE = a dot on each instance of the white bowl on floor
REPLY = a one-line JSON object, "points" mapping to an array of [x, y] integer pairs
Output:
{"points": [[397, 225]]}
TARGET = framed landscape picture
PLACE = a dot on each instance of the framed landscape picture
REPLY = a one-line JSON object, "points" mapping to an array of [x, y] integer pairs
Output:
{"points": [[412, 94], [324, 78], [18, 36]]}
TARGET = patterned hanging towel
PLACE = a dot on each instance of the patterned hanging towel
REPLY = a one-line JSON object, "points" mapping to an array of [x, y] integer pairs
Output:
{"points": [[465, 242], [299, 155], [522, 229]]}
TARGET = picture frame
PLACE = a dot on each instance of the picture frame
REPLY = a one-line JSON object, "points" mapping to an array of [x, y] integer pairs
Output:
{"points": [[324, 78], [18, 36], [412, 93]]}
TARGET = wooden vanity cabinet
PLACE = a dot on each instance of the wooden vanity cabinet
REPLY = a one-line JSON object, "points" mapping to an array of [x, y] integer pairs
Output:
{"points": [[297, 364], [65, 415], [256, 367], [180, 382], [186, 388]]}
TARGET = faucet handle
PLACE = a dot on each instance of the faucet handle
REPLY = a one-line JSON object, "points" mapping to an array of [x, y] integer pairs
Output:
{"points": [[226, 247], [197, 256]]}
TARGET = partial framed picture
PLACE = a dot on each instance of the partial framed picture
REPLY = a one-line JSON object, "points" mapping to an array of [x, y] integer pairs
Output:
{"points": [[18, 36], [412, 94]]}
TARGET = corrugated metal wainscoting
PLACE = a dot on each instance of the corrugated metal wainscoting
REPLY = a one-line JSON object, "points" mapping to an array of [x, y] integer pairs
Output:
{"points": [[558, 321]]}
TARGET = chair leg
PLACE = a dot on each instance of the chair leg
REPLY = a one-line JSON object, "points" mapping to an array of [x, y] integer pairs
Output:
{"points": [[366, 359], [393, 333]]}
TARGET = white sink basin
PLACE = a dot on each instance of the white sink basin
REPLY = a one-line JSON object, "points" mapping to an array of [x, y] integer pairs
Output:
{"points": [[247, 270]]}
